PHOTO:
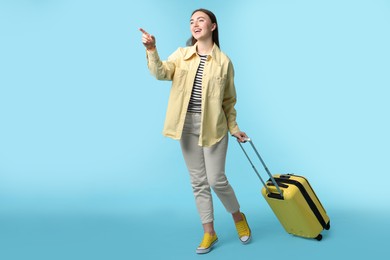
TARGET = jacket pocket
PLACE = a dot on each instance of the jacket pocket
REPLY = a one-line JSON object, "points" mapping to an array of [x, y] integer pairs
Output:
{"points": [[179, 79], [217, 86]]}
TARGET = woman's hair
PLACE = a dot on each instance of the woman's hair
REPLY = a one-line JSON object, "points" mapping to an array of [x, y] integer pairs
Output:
{"points": [[191, 41]]}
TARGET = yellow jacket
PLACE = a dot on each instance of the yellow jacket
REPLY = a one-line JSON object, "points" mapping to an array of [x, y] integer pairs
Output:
{"points": [[218, 92]]}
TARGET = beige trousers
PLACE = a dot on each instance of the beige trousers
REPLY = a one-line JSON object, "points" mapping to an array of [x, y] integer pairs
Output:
{"points": [[206, 166]]}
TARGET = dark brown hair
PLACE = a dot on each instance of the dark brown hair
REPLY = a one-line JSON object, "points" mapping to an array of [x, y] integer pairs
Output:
{"points": [[191, 41]]}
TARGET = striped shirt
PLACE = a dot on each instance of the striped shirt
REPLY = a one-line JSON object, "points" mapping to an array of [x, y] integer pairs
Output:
{"points": [[195, 105]]}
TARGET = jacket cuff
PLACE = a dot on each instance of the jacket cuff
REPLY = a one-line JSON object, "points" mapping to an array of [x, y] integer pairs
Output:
{"points": [[152, 56], [234, 130]]}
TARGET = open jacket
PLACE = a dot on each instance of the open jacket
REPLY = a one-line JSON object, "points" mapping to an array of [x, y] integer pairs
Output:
{"points": [[218, 92]]}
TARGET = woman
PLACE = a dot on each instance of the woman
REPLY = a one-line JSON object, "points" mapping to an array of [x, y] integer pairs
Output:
{"points": [[200, 113]]}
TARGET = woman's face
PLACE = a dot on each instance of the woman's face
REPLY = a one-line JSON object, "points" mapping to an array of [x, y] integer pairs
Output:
{"points": [[201, 26]]}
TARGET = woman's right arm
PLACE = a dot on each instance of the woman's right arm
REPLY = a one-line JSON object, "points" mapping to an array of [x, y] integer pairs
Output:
{"points": [[162, 70]]}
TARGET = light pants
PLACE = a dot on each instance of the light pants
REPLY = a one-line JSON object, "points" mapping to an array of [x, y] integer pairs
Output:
{"points": [[206, 166]]}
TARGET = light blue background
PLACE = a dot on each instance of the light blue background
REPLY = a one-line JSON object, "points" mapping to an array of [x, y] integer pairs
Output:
{"points": [[86, 174]]}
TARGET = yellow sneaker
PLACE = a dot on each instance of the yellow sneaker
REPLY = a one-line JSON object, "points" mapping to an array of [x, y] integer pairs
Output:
{"points": [[207, 243], [243, 230]]}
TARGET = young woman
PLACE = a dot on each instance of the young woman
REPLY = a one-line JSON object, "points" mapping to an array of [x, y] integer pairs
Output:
{"points": [[200, 114]]}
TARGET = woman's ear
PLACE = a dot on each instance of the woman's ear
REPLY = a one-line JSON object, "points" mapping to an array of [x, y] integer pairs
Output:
{"points": [[213, 26]]}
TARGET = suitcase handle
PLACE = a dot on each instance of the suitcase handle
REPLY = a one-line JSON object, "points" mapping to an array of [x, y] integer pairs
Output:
{"points": [[265, 167]]}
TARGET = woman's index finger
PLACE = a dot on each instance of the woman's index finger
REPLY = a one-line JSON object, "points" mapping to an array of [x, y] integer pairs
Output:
{"points": [[143, 31]]}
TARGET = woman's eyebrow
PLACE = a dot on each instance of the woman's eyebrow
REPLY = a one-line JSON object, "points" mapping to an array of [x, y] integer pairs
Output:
{"points": [[200, 17]]}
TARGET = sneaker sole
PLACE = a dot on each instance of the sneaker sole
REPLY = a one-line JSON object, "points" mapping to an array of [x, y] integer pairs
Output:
{"points": [[247, 241], [206, 250]]}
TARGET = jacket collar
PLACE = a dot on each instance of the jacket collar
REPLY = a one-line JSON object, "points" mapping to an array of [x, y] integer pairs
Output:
{"points": [[215, 52], [191, 51]]}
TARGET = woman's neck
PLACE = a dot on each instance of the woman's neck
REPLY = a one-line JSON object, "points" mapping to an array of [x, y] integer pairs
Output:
{"points": [[205, 47]]}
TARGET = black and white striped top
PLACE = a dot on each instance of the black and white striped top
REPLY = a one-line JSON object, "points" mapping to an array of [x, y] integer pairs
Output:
{"points": [[195, 105]]}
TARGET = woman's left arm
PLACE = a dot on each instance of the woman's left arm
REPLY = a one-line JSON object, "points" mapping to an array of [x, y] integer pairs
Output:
{"points": [[228, 103]]}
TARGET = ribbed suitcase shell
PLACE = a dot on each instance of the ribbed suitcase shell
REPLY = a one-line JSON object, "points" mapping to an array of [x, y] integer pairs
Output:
{"points": [[299, 211]]}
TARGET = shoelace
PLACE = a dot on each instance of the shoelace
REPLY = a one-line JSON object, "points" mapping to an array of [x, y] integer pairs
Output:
{"points": [[242, 228], [207, 241]]}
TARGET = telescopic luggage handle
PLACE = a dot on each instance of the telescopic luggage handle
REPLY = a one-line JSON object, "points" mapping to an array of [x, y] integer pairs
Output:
{"points": [[265, 167]]}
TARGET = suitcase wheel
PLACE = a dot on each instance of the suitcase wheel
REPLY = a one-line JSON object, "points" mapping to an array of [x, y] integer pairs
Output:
{"points": [[319, 237]]}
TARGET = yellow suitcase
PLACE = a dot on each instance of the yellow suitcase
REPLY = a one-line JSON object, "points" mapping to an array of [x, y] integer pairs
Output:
{"points": [[293, 201]]}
